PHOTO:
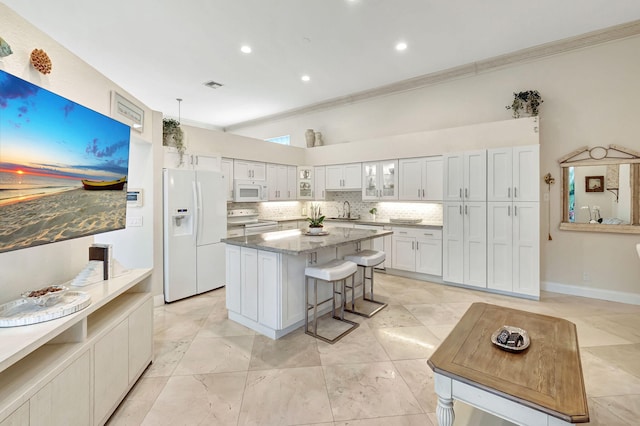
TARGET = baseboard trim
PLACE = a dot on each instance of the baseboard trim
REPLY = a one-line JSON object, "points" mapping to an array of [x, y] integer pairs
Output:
{"points": [[158, 300], [592, 293]]}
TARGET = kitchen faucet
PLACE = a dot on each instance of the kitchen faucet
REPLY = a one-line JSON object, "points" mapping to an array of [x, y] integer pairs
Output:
{"points": [[346, 213]]}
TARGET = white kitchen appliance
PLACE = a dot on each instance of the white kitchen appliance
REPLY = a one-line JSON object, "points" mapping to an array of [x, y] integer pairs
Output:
{"points": [[195, 220], [247, 219], [249, 191]]}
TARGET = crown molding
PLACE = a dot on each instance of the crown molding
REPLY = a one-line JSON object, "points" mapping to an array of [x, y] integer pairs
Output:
{"points": [[521, 56]]}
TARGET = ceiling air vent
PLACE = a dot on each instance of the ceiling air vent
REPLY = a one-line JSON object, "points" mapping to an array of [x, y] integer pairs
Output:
{"points": [[212, 84]]}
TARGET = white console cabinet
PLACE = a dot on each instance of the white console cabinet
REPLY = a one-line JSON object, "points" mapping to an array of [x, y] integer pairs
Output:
{"points": [[76, 370]]}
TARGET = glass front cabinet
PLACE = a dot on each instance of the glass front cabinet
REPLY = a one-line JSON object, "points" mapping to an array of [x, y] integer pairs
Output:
{"points": [[380, 180]]}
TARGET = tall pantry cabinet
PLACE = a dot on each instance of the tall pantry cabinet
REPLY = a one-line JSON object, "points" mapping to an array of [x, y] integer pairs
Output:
{"points": [[464, 232], [513, 220]]}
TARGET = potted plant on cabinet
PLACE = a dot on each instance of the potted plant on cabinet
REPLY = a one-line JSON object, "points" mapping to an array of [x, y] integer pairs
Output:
{"points": [[525, 102], [172, 135], [315, 219]]}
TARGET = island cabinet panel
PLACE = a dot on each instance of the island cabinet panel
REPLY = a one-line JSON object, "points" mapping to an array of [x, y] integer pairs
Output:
{"points": [[268, 267], [65, 400], [234, 277], [249, 283]]}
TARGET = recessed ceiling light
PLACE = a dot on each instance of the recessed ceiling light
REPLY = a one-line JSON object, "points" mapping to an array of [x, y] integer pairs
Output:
{"points": [[401, 46], [245, 49], [305, 78], [212, 84]]}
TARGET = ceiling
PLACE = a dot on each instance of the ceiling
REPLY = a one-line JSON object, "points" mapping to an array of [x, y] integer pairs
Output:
{"points": [[160, 50]]}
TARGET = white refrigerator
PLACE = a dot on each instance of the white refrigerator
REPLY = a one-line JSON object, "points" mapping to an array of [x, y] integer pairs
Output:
{"points": [[195, 220]]}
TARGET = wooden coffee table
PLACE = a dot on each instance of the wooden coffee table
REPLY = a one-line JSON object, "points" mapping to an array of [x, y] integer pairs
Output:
{"points": [[542, 385]]}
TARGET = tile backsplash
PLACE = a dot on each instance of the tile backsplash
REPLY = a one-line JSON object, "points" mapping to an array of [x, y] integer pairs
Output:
{"points": [[333, 207]]}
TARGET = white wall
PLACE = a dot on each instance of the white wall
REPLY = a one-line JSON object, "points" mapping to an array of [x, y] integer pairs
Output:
{"points": [[74, 79], [591, 98]]}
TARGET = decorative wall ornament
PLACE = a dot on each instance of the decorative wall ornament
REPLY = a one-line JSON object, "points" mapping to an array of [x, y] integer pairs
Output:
{"points": [[5, 49], [127, 112], [40, 61]]}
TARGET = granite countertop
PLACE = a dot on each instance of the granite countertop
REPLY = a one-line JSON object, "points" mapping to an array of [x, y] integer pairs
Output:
{"points": [[361, 221], [295, 242]]}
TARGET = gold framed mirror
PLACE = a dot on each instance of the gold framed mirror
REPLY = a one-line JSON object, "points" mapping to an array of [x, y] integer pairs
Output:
{"points": [[601, 190]]}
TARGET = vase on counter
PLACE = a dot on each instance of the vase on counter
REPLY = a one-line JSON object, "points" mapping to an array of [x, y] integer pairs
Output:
{"points": [[318, 141], [315, 229], [310, 136]]}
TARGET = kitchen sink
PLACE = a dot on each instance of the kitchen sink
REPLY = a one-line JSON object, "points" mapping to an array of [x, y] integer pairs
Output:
{"points": [[345, 218]]}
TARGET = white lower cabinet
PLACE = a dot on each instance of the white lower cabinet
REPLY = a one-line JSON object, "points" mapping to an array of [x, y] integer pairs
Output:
{"points": [[513, 247], [65, 400], [417, 250], [464, 243]]}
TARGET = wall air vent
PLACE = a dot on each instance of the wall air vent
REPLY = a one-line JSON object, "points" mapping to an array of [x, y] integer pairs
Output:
{"points": [[212, 84]]}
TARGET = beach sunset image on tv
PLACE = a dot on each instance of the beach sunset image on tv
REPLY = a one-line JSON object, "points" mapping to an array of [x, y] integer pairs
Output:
{"points": [[63, 167]]}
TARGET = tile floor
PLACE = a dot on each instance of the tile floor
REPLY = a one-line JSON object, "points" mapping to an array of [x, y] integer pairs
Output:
{"points": [[209, 370]]}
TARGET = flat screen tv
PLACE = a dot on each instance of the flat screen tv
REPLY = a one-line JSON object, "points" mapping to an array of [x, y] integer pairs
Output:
{"points": [[63, 167]]}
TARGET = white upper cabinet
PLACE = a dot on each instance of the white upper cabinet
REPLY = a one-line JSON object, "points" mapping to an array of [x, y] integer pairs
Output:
{"points": [[243, 169], [319, 183], [380, 180], [281, 182], [465, 176], [343, 177], [190, 161], [420, 179], [513, 174], [305, 181]]}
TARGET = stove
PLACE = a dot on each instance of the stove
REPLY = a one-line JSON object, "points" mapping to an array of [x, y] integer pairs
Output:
{"points": [[248, 219]]}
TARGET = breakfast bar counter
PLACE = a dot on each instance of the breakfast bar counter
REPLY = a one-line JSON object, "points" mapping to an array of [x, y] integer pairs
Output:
{"points": [[265, 273]]}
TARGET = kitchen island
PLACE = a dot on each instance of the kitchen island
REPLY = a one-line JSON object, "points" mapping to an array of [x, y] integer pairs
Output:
{"points": [[265, 273]]}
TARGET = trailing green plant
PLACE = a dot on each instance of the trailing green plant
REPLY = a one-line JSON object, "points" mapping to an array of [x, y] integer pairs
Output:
{"points": [[315, 218], [528, 102], [172, 135], [373, 211]]}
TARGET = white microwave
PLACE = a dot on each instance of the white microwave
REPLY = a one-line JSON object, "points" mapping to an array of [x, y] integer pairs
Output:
{"points": [[249, 190]]}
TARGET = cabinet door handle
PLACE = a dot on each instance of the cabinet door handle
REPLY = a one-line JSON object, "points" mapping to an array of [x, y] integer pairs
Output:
{"points": [[509, 192], [460, 192], [402, 232], [428, 235], [418, 192], [515, 192], [515, 210], [466, 193], [413, 245], [423, 193], [417, 246], [466, 211], [460, 208], [508, 210]]}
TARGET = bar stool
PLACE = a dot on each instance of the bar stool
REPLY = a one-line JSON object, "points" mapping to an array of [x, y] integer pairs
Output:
{"points": [[367, 259], [336, 273]]}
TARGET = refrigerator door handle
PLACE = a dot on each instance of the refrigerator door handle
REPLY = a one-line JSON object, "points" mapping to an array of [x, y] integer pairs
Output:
{"points": [[196, 215]]}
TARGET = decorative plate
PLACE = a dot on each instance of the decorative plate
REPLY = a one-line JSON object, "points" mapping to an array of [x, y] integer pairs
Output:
{"points": [[512, 339], [21, 312], [318, 234]]}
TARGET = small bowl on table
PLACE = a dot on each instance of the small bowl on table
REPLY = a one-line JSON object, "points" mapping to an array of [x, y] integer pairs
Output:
{"points": [[47, 296]]}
